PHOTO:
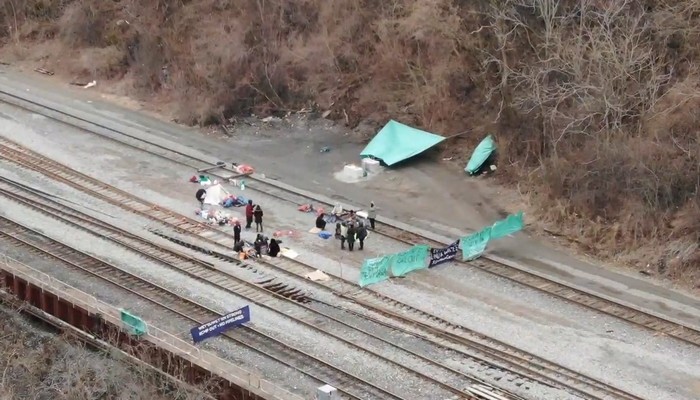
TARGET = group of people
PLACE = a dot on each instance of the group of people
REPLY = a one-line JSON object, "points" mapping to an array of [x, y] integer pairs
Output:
{"points": [[261, 245], [350, 230], [254, 212]]}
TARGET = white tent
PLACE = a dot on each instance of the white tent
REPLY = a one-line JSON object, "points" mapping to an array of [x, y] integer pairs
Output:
{"points": [[215, 195]]}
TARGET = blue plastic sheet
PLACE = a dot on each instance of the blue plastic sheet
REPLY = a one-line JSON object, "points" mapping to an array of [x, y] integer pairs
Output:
{"points": [[397, 142], [410, 260], [475, 244], [481, 153]]}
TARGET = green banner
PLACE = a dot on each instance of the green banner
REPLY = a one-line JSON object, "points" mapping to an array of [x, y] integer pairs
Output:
{"points": [[375, 270], [411, 260], [473, 245], [513, 223], [134, 325]]}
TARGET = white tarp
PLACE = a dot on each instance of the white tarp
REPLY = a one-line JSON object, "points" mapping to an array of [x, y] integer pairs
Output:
{"points": [[215, 195]]}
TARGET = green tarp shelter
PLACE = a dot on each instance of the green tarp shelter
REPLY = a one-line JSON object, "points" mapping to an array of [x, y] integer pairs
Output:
{"points": [[481, 153], [397, 142]]}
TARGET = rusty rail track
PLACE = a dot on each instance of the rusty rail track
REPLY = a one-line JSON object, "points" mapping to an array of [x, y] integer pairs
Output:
{"points": [[186, 310], [447, 332], [589, 300], [268, 293]]}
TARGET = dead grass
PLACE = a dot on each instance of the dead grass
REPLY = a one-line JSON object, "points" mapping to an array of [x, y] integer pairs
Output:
{"points": [[594, 104], [39, 365]]}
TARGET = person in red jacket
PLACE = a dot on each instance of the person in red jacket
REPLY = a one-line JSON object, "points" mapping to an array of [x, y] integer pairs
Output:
{"points": [[249, 214]]}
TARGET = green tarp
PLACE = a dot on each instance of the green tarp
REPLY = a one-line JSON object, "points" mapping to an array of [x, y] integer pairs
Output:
{"points": [[480, 155], [513, 223], [397, 142], [375, 270], [411, 260], [473, 245], [133, 324]]}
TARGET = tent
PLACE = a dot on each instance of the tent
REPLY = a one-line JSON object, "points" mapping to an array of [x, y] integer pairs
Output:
{"points": [[397, 142], [215, 195], [481, 153]]}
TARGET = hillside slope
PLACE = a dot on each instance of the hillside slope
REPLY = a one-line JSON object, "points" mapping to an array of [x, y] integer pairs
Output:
{"points": [[593, 103]]}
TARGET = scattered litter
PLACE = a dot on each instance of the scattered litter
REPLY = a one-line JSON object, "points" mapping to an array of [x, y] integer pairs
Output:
{"points": [[314, 230], [371, 165], [89, 85], [307, 208], [289, 253], [448, 159], [362, 214], [4, 63], [204, 180], [326, 114], [271, 119], [317, 275], [278, 234], [351, 173], [325, 149], [43, 71], [122, 22], [244, 169], [325, 234]]}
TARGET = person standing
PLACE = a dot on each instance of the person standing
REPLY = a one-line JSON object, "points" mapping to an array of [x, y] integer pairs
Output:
{"points": [[236, 232], [258, 214], [351, 235], [274, 248], [361, 234], [372, 214], [201, 195], [249, 214], [343, 235]]}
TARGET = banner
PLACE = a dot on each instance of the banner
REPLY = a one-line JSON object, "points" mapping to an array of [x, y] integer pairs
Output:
{"points": [[513, 223], [134, 325], [473, 245], [375, 270], [217, 326], [439, 256], [410, 260]]}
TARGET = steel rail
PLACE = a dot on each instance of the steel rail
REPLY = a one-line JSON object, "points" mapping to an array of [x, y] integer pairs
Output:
{"points": [[183, 308], [41, 164]]}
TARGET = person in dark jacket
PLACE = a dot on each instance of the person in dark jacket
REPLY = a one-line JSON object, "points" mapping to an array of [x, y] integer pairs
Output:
{"points": [[237, 232], [342, 230], [249, 214], [274, 249], [238, 246], [351, 235], [258, 244], [320, 222], [201, 195], [361, 234], [258, 215]]}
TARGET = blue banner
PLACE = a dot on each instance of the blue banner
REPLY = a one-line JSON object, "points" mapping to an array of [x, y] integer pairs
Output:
{"points": [[217, 326], [445, 254]]}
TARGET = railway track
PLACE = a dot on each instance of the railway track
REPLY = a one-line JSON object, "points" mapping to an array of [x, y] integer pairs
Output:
{"points": [[269, 293], [591, 301], [189, 311], [447, 332]]}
